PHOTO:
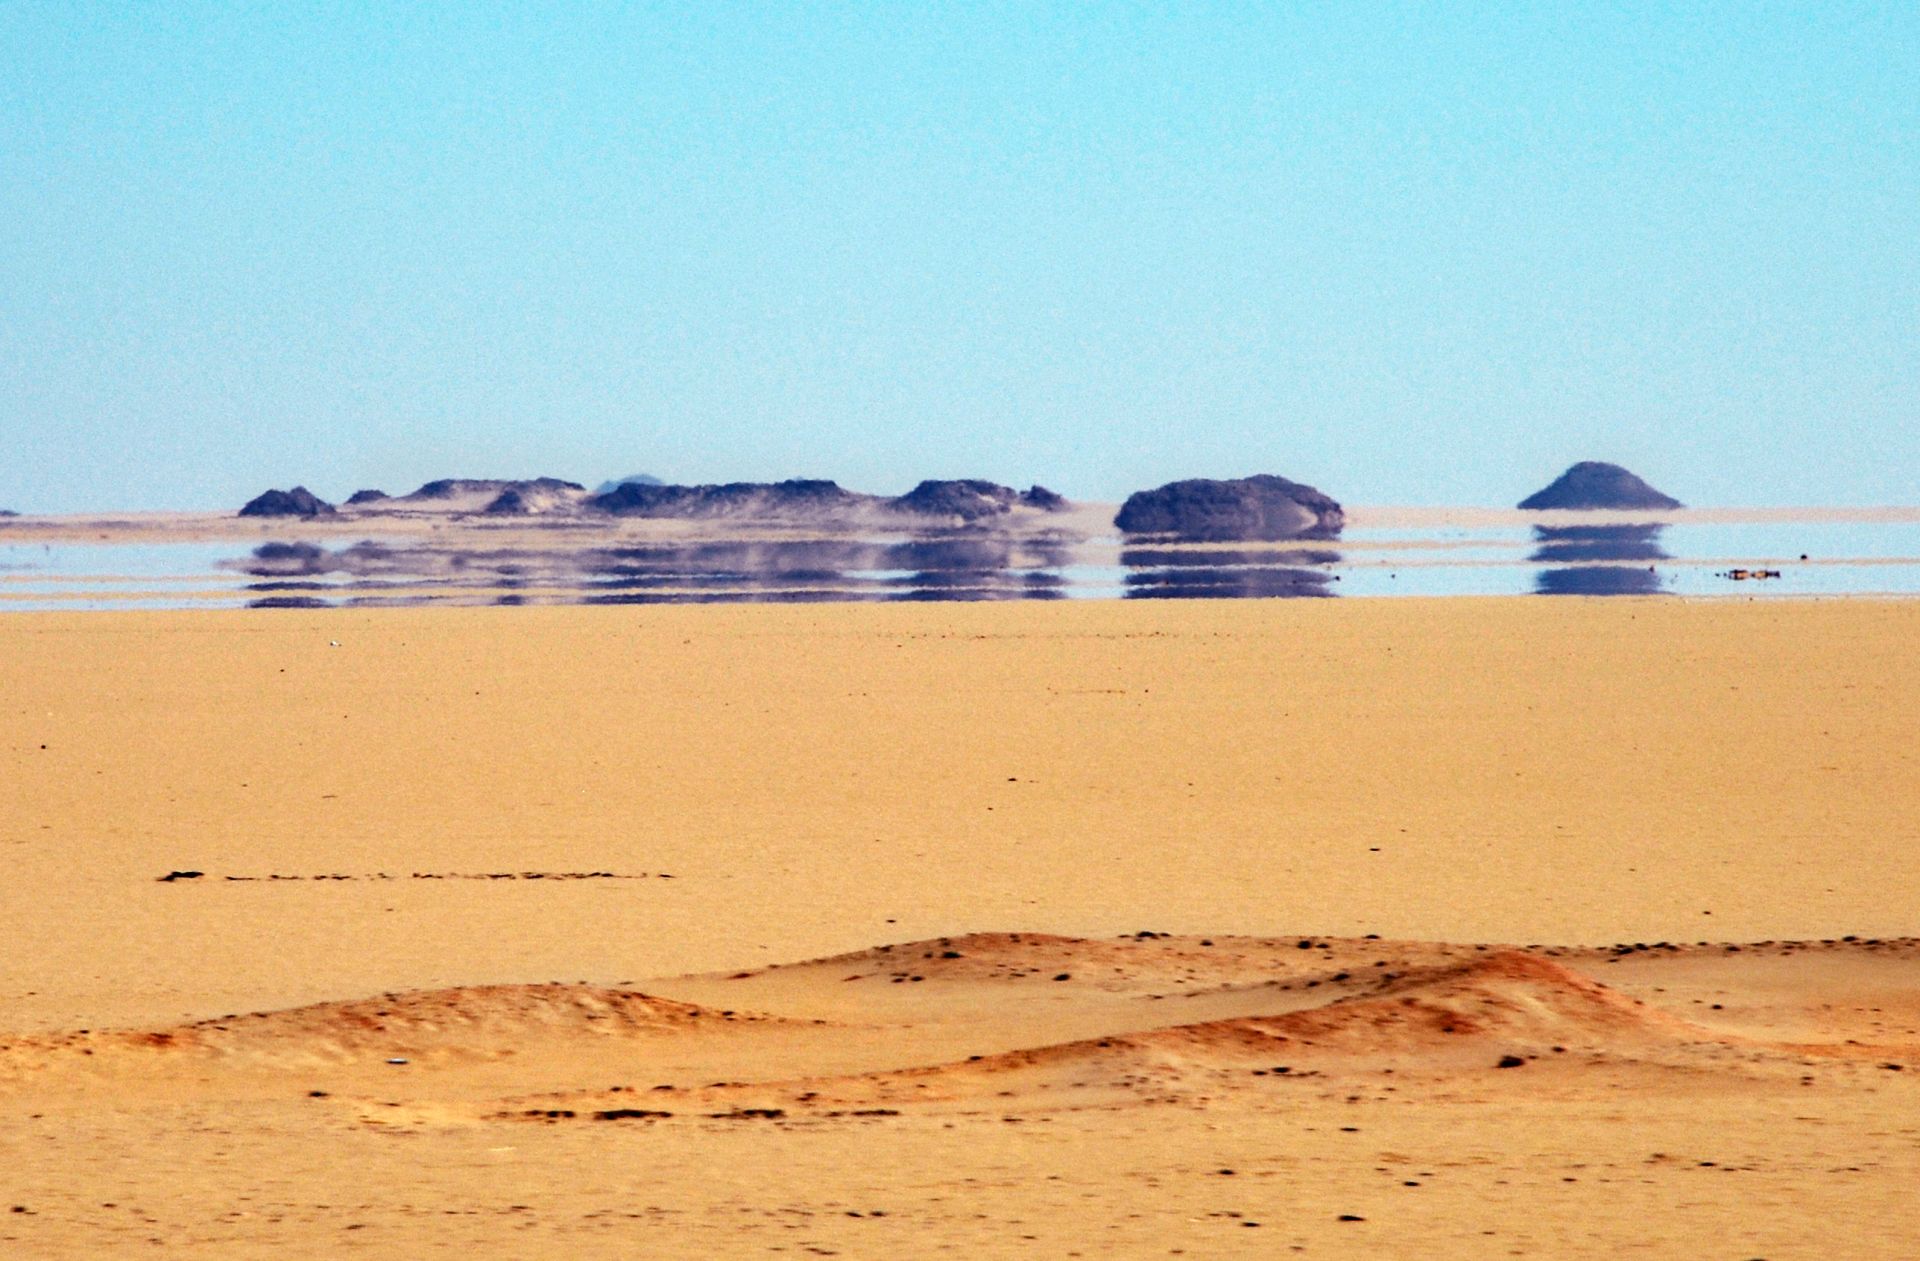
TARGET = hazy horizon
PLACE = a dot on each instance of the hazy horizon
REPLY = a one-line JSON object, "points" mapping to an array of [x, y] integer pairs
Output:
{"points": [[1407, 255]]}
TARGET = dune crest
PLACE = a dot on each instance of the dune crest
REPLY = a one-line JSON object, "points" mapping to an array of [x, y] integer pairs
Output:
{"points": [[464, 1022]]}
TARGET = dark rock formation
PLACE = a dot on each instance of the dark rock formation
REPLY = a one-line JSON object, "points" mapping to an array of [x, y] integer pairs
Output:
{"points": [[968, 499], [1260, 507], [510, 503], [1599, 580], [1576, 544], [8, 512], [796, 497], [359, 497], [965, 501], [637, 479], [1174, 572], [298, 502], [1594, 485], [451, 487]]}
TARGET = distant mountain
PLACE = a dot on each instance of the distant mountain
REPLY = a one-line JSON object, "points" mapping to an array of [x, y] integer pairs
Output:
{"points": [[359, 497], [298, 502], [631, 479], [1592, 484], [1247, 508]]}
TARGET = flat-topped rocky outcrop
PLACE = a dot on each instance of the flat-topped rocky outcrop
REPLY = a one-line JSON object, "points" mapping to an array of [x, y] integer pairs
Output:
{"points": [[817, 500], [1203, 509], [464, 487]]}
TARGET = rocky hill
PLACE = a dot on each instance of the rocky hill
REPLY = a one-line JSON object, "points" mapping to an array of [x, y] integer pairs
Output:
{"points": [[1592, 485], [298, 502], [818, 501], [1247, 508]]}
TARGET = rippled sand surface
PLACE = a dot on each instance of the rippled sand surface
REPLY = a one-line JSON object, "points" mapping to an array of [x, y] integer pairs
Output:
{"points": [[1387, 928]]}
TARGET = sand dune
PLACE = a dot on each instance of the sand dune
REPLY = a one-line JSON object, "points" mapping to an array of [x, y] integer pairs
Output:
{"points": [[1387, 848], [1160, 1011], [450, 1025]]}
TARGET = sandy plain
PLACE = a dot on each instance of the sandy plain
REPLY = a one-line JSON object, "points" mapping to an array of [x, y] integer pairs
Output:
{"points": [[963, 930]]}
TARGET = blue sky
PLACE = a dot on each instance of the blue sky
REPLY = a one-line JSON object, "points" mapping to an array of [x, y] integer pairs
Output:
{"points": [[1412, 254]]}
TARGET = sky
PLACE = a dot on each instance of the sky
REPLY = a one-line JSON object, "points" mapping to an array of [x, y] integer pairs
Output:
{"points": [[1420, 254]]}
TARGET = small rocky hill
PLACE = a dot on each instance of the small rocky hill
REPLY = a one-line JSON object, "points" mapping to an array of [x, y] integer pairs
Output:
{"points": [[298, 502], [1247, 508], [1594, 485]]}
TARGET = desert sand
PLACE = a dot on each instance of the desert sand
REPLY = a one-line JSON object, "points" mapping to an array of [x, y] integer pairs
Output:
{"points": [[1402, 928]]}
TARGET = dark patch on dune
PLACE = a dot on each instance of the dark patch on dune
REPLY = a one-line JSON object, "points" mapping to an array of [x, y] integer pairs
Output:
{"points": [[1595, 485], [1261, 507], [298, 502]]}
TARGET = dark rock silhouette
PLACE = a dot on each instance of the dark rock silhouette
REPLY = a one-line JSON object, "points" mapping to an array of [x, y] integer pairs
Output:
{"points": [[510, 503], [971, 499], [1594, 485], [359, 497], [298, 502], [1250, 508], [1564, 545], [1598, 580], [1585, 550], [794, 497], [451, 487], [816, 500], [945, 564], [636, 479], [275, 559], [1163, 573], [8, 512]]}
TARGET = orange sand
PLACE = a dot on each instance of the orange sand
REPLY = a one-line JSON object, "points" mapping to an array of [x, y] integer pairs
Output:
{"points": [[682, 795]]}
